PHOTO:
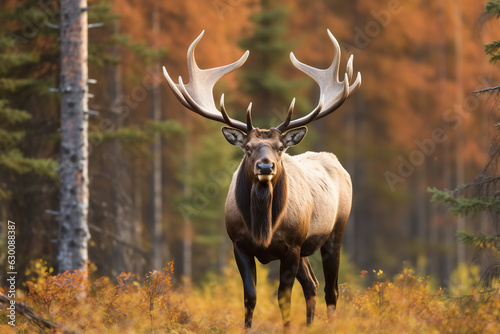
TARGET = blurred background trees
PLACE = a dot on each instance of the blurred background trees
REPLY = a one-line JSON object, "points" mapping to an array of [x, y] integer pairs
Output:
{"points": [[396, 136], [479, 200]]}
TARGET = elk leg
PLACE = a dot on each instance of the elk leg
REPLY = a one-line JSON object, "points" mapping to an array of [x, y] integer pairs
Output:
{"points": [[330, 255], [246, 267], [310, 284], [288, 272]]}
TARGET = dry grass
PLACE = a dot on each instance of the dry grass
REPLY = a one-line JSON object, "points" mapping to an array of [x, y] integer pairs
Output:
{"points": [[405, 304]]}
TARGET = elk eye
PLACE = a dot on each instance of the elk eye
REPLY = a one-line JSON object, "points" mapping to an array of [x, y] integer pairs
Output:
{"points": [[247, 148]]}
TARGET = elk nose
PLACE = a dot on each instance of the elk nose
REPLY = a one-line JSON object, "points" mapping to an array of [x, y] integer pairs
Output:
{"points": [[265, 169]]}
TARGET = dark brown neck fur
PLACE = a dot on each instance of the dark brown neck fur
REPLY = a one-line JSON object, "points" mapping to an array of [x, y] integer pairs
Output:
{"points": [[261, 204]]}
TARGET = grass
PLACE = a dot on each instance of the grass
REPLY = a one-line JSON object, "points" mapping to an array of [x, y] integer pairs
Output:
{"points": [[128, 304]]}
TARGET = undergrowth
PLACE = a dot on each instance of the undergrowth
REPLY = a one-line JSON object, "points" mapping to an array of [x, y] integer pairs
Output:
{"points": [[131, 304]]}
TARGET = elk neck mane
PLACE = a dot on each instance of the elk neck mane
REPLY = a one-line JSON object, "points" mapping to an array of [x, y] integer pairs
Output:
{"points": [[261, 204]]}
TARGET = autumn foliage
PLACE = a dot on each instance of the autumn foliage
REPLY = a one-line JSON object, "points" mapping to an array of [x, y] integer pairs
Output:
{"points": [[151, 304]]}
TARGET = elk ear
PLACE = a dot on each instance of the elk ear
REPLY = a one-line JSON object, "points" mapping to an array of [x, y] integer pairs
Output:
{"points": [[234, 136], [294, 136]]}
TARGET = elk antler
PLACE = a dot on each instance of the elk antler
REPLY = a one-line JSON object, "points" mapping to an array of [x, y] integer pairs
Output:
{"points": [[332, 92], [197, 95]]}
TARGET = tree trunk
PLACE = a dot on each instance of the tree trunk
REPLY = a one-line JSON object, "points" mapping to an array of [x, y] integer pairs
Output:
{"points": [[441, 172], [156, 183], [187, 235], [125, 228], [358, 232], [73, 228], [422, 220], [459, 101], [158, 243]]}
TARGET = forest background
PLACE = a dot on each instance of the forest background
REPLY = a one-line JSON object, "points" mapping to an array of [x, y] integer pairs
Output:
{"points": [[414, 124]]}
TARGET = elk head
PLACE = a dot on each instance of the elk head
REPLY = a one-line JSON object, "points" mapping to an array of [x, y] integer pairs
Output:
{"points": [[263, 148]]}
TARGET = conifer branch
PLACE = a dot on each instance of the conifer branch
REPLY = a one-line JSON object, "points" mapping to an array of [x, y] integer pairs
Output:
{"points": [[480, 240], [492, 273], [465, 206], [493, 8]]}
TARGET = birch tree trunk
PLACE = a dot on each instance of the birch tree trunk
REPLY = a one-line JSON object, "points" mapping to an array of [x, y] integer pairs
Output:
{"points": [[73, 228]]}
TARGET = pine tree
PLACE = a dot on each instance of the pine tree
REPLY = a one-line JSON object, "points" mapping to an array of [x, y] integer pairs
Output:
{"points": [[28, 137], [13, 161], [264, 77], [493, 49], [15, 85]]}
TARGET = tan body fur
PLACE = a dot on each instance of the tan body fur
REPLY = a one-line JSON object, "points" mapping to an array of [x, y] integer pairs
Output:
{"points": [[319, 196]]}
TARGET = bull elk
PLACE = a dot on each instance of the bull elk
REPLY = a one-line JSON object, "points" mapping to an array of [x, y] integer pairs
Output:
{"points": [[281, 207]]}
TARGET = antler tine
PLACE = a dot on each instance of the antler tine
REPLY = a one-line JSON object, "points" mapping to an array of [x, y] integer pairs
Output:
{"points": [[197, 95], [308, 118], [333, 92], [284, 125], [249, 118], [357, 83], [223, 110], [174, 88]]}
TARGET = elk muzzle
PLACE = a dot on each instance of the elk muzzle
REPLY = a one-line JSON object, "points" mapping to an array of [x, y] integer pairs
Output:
{"points": [[265, 172]]}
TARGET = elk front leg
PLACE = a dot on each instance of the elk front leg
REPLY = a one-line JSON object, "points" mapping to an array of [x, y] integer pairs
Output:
{"points": [[246, 266], [288, 272]]}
